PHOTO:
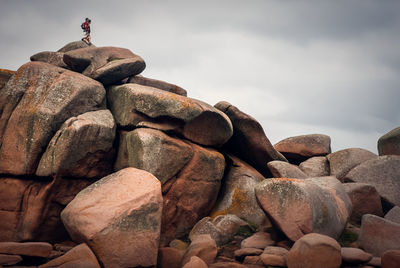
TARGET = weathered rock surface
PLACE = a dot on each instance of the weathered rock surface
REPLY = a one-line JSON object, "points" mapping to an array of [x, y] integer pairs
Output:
{"points": [[221, 229], [237, 196], [281, 169], [36, 249], [113, 226], [43, 96], [341, 162], [7, 259], [53, 58], [259, 240], [202, 246], [381, 172], [364, 199], [5, 75], [74, 45], [153, 151], [393, 215], [355, 255], [197, 121], [300, 148], [249, 141], [30, 210], [274, 256], [105, 64], [378, 235], [144, 81], [315, 251], [80, 257], [389, 144], [391, 259], [195, 262], [191, 196], [317, 166], [315, 205], [82, 147]]}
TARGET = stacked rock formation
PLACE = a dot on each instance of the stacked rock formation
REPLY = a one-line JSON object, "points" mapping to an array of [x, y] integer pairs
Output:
{"points": [[103, 167]]}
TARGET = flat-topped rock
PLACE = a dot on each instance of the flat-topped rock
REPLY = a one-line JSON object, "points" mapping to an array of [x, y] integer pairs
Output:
{"points": [[150, 82], [389, 144]]}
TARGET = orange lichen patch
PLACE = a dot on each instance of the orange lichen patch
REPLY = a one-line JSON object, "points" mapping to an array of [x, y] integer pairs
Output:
{"points": [[238, 199], [286, 179]]}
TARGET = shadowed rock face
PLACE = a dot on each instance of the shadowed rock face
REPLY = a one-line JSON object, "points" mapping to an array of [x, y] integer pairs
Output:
{"points": [[389, 144], [249, 141], [43, 97]]}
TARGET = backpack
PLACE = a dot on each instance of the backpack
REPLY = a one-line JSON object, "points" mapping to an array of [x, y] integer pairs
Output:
{"points": [[83, 26]]}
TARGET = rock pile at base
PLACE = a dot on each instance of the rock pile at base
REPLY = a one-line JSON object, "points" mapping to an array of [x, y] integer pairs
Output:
{"points": [[103, 167]]}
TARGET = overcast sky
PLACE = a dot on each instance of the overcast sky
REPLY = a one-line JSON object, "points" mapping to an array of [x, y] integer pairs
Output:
{"points": [[298, 67]]}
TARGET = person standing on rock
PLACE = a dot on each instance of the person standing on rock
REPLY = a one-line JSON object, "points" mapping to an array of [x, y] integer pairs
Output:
{"points": [[86, 29]]}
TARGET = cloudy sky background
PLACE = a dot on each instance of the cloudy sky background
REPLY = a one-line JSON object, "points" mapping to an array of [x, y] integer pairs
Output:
{"points": [[298, 67]]}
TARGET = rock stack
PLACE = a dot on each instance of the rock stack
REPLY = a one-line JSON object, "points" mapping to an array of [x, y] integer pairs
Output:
{"points": [[103, 167]]}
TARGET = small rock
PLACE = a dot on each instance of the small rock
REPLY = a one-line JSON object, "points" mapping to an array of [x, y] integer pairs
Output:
{"points": [[355, 255], [281, 169], [202, 246], [240, 254], [169, 257], [378, 235], [314, 251], [317, 166], [274, 256], [258, 240], [6, 259], [227, 265], [80, 256], [393, 215], [389, 144], [36, 249], [195, 262], [256, 260], [391, 259], [375, 262]]}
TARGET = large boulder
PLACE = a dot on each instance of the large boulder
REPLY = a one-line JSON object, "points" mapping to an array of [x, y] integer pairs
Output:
{"points": [[123, 231], [53, 58], [34, 104], [365, 200], [35, 249], [192, 194], [393, 214], [381, 172], [281, 169], [153, 151], [144, 81], [391, 259], [237, 195], [300, 148], [378, 235], [389, 143], [302, 206], [249, 141], [5, 75], [341, 162], [30, 209], [74, 45], [132, 104], [105, 64], [82, 147], [314, 251], [317, 166]]}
